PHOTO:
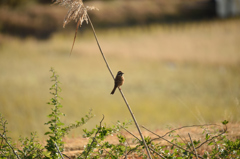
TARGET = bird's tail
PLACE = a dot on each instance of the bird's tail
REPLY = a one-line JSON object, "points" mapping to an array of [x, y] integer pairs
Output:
{"points": [[114, 89]]}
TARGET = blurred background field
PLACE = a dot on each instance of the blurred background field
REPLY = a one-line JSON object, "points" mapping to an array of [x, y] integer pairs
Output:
{"points": [[186, 71]]}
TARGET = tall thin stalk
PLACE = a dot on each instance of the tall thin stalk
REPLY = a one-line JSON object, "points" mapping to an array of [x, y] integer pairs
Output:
{"points": [[78, 12], [124, 98]]}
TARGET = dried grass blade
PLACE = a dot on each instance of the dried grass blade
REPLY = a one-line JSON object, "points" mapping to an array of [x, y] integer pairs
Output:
{"points": [[75, 36]]}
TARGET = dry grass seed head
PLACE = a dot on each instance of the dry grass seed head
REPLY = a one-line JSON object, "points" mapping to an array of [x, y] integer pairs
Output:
{"points": [[76, 11]]}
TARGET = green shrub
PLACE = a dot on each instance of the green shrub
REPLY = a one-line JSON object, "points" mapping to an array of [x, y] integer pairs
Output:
{"points": [[215, 143]]}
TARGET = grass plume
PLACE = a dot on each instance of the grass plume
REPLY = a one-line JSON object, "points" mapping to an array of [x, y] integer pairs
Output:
{"points": [[77, 12]]}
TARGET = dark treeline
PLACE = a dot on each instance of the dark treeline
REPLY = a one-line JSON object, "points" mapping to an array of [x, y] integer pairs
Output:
{"points": [[40, 19]]}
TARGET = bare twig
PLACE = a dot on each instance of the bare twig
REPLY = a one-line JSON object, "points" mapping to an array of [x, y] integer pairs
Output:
{"points": [[183, 128], [141, 140], [170, 142], [124, 98], [58, 150], [193, 146], [106, 151], [131, 150], [187, 127], [225, 130], [66, 156], [184, 141]]}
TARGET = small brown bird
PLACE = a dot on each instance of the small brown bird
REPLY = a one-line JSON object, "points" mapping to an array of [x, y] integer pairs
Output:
{"points": [[119, 80]]}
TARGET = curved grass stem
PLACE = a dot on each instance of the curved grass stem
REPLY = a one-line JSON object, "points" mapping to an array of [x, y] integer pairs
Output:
{"points": [[124, 98]]}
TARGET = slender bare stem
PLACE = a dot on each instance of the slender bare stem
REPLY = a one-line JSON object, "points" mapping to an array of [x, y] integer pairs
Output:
{"points": [[139, 130], [95, 35], [66, 156], [187, 127], [170, 142], [193, 146], [140, 140], [225, 130], [58, 150], [125, 100]]}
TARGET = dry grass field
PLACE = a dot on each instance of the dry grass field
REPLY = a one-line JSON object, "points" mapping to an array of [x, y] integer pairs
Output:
{"points": [[178, 74]]}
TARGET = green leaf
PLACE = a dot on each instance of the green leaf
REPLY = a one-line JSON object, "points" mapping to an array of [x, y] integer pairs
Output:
{"points": [[48, 133], [225, 122], [60, 124], [83, 120], [207, 136]]}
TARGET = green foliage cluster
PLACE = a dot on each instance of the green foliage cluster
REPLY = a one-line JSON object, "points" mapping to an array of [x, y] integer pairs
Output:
{"points": [[30, 147], [97, 147], [220, 146]]}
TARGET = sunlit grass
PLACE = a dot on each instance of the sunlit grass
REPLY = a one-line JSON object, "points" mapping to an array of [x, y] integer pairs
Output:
{"points": [[180, 74]]}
